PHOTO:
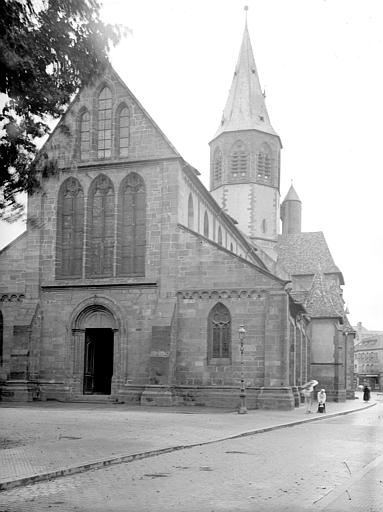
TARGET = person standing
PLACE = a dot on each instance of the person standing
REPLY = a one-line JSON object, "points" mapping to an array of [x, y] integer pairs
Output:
{"points": [[366, 393], [308, 394], [322, 400]]}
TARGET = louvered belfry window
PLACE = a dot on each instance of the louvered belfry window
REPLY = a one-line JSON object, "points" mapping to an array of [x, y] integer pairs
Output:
{"points": [[104, 137], [239, 160], [70, 229], [217, 169], [219, 332], [264, 163], [100, 228], [132, 226]]}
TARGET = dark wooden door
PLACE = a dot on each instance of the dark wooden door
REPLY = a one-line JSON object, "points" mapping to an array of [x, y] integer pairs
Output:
{"points": [[90, 349], [98, 361]]}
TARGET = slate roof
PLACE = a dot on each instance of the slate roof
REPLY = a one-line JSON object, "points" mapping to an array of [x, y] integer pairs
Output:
{"points": [[301, 253], [323, 301], [291, 195], [245, 107]]}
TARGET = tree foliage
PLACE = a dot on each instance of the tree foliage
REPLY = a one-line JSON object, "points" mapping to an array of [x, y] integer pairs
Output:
{"points": [[48, 50]]}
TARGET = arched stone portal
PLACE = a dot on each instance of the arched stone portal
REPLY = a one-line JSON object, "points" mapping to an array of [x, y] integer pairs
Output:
{"points": [[94, 332]]}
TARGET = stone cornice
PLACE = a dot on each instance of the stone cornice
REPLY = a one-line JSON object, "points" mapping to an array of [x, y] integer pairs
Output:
{"points": [[56, 287], [232, 293]]}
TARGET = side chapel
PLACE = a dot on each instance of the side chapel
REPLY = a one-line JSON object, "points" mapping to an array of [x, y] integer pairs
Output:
{"points": [[132, 279]]}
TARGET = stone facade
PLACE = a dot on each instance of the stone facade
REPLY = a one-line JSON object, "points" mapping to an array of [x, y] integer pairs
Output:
{"points": [[131, 281]]}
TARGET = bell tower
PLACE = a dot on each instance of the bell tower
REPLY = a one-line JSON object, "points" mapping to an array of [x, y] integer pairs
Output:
{"points": [[245, 155]]}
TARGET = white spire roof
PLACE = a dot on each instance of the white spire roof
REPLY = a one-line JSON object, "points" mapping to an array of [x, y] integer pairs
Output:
{"points": [[291, 195], [245, 107]]}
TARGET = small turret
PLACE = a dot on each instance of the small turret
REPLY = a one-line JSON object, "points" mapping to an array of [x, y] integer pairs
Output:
{"points": [[291, 213]]}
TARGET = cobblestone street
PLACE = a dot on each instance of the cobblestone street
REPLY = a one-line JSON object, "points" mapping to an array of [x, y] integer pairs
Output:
{"points": [[290, 469]]}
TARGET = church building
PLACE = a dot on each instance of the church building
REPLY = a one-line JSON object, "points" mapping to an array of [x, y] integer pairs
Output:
{"points": [[132, 280]]}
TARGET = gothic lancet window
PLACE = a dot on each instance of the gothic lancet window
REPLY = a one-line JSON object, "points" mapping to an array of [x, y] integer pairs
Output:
{"points": [[132, 237], [219, 235], [104, 126], [190, 212], [85, 136], [217, 167], [206, 225], [264, 163], [239, 161], [219, 332], [100, 228], [123, 132], [70, 229]]}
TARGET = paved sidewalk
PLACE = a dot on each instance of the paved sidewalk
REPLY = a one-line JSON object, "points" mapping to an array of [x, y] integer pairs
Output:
{"points": [[43, 440]]}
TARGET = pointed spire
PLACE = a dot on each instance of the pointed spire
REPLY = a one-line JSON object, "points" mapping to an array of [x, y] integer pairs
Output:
{"points": [[291, 194], [245, 107]]}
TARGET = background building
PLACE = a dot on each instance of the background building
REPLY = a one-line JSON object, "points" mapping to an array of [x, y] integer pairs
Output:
{"points": [[368, 357]]}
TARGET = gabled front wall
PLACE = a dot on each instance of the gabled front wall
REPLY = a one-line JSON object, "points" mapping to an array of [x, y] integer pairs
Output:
{"points": [[209, 275]]}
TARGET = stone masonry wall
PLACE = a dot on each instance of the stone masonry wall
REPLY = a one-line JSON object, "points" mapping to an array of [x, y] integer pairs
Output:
{"points": [[208, 274]]}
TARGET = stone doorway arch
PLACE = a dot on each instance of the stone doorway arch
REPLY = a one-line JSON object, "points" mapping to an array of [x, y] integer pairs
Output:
{"points": [[96, 345]]}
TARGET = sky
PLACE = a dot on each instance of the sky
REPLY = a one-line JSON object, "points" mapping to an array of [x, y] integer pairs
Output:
{"points": [[321, 65]]}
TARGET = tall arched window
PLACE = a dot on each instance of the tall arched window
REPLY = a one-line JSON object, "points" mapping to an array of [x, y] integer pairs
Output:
{"points": [[219, 332], [190, 212], [264, 163], [70, 229], [239, 160], [132, 236], [219, 235], [85, 136], [104, 126], [217, 167], [100, 228], [123, 132], [206, 225]]}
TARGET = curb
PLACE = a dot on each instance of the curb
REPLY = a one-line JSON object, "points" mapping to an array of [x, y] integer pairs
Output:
{"points": [[98, 464]]}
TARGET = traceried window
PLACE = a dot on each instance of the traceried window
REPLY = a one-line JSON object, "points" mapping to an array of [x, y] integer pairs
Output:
{"points": [[132, 235], [123, 132], [85, 136], [239, 161], [264, 163], [104, 127], [219, 333], [70, 229], [217, 167], [206, 225], [219, 235], [100, 245], [190, 212]]}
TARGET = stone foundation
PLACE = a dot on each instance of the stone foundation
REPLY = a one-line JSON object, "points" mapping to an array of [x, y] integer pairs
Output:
{"points": [[19, 391], [281, 398], [158, 396]]}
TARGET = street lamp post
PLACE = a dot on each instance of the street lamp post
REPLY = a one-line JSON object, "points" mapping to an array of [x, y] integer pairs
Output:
{"points": [[242, 394]]}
